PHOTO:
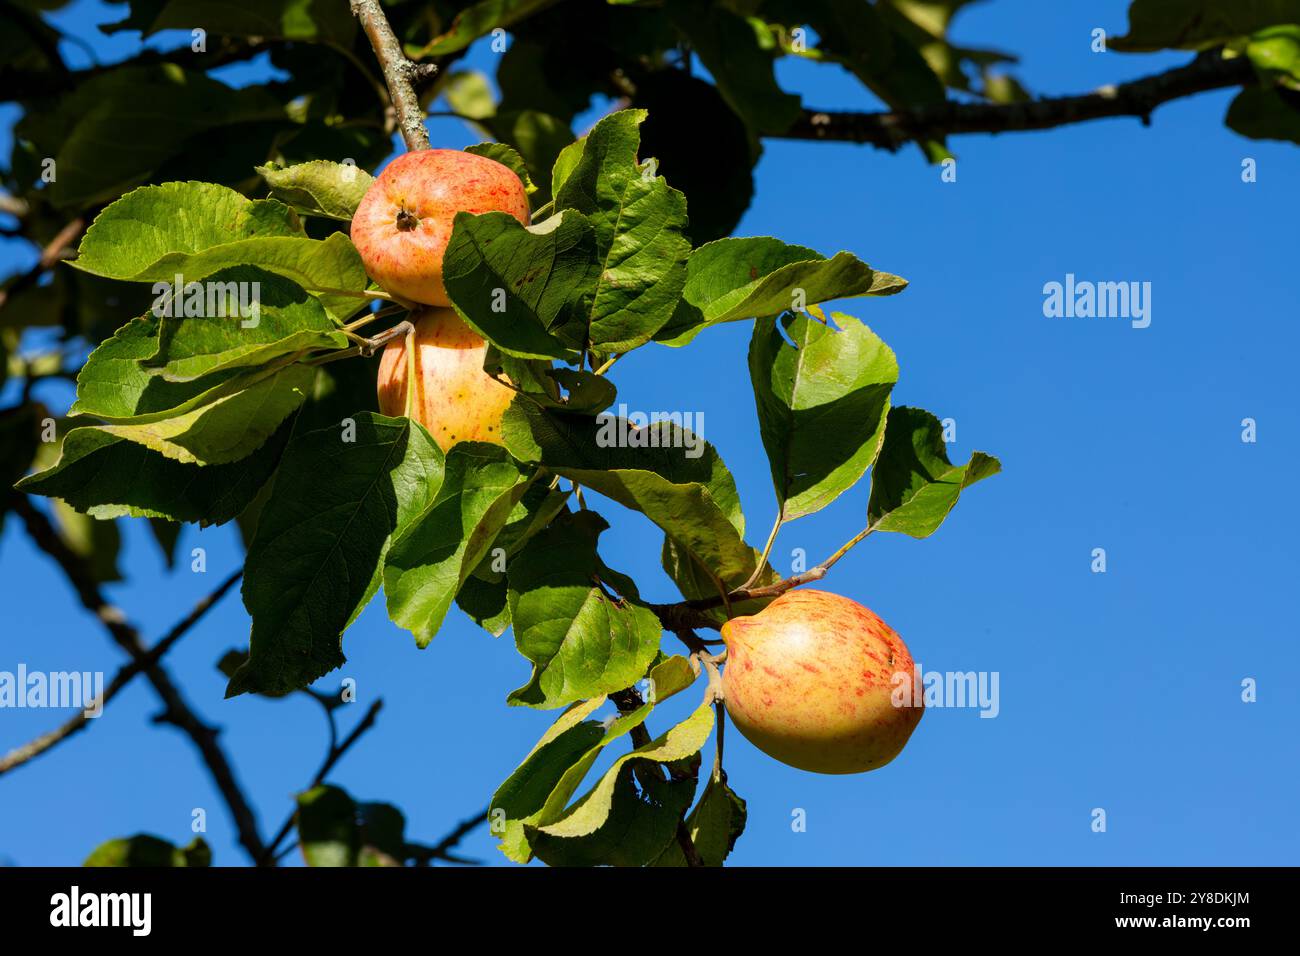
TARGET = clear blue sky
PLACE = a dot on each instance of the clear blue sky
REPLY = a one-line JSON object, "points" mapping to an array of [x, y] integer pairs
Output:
{"points": [[1118, 690]]}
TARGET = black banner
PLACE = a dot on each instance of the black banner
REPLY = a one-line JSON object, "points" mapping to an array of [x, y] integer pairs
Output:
{"points": [[329, 906]]}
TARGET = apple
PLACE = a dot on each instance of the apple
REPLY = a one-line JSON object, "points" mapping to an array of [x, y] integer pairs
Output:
{"points": [[454, 398], [809, 680], [404, 221]]}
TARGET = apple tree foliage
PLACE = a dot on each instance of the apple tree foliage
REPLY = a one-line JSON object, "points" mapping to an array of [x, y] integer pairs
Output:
{"points": [[193, 414]]}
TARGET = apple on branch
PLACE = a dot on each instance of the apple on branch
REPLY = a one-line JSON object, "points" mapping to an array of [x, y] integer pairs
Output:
{"points": [[403, 223], [809, 681], [401, 229], [454, 398]]}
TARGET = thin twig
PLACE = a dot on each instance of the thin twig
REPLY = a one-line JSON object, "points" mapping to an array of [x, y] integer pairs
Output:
{"points": [[54, 252], [423, 855], [176, 709], [20, 755], [332, 757], [685, 616], [890, 130]]}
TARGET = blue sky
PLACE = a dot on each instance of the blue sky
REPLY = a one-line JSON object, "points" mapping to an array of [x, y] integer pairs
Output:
{"points": [[1119, 691]]}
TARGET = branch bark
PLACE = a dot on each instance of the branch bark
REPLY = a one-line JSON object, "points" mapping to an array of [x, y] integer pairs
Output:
{"points": [[20, 755], [56, 251], [400, 74], [1209, 71], [176, 709], [335, 754], [442, 850]]}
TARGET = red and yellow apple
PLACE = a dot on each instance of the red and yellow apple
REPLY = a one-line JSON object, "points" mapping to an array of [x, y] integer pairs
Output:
{"points": [[454, 398], [404, 221], [809, 680]]}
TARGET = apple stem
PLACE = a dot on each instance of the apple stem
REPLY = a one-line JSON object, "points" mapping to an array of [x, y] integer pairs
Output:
{"points": [[410, 368], [719, 775], [336, 356], [688, 613], [367, 319]]}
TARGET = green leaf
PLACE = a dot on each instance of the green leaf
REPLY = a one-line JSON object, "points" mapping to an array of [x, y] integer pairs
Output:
{"points": [[484, 595], [322, 21], [152, 222], [540, 788], [1260, 113], [822, 403], [382, 835], [468, 93], [227, 429], [593, 810], [641, 824], [695, 581], [640, 225], [146, 850], [327, 827], [107, 134], [536, 508], [913, 485], [197, 341], [520, 286], [868, 42], [585, 392], [670, 475], [507, 156], [566, 163], [319, 187], [539, 137], [1198, 24], [192, 230], [428, 564], [564, 389], [734, 279], [108, 477], [487, 604], [113, 383], [478, 20], [714, 825], [582, 640], [522, 798], [315, 561], [114, 386], [96, 542], [1276, 53], [742, 67], [166, 534]]}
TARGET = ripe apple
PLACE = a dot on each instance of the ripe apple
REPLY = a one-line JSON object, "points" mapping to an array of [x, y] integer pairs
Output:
{"points": [[403, 223], [454, 398], [809, 680]]}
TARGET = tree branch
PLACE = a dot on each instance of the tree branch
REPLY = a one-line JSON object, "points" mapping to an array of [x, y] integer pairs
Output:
{"points": [[400, 74], [13, 206], [335, 754], [20, 755], [683, 617], [423, 855], [51, 255], [177, 710], [1209, 71]]}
